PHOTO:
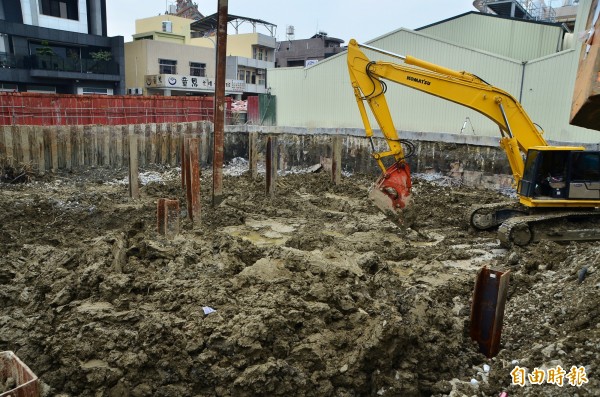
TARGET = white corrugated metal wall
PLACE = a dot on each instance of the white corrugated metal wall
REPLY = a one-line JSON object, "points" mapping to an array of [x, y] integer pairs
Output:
{"points": [[518, 40], [549, 103], [321, 96], [418, 111]]}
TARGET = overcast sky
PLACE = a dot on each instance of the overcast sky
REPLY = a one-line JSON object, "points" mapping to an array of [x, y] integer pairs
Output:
{"points": [[344, 19]]}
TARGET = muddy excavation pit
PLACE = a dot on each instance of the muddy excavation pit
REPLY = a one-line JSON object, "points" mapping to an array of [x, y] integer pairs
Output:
{"points": [[309, 293]]}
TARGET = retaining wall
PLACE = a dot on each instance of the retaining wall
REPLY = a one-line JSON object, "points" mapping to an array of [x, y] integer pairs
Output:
{"points": [[474, 160]]}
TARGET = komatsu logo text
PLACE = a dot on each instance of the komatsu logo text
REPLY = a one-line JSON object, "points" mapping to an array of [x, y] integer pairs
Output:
{"points": [[416, 80]]}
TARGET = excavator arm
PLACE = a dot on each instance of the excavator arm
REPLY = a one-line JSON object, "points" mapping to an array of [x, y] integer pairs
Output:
{"points": [[517, 130]]}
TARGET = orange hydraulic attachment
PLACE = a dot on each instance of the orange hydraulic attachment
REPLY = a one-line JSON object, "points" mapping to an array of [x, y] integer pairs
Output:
{"points": [[391, 193]]}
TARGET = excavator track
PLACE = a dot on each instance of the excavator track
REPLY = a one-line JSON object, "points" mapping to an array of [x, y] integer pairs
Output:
{"points": [[555, 226], [490, 216]]}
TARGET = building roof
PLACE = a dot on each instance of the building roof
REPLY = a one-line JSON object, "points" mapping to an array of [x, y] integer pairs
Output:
{"points": [[210, 23], [323, 35], [483, 14]]}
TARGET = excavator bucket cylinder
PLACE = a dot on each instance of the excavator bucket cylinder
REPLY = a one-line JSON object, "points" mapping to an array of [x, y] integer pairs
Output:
{"points": [[392, 193]]}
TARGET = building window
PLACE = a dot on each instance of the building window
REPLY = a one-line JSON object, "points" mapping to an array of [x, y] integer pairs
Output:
{"points": [[167, 66], [94, 91], [7, 87], [250, 77], [242, 74], [197, 69], [260, 53], [67, 9], [260, 74], [41, 89]]}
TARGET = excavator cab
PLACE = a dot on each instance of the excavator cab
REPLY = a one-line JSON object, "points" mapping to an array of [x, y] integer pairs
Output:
{"points": [[558, 173]]}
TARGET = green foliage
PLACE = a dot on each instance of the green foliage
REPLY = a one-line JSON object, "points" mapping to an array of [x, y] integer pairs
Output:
{"points": [[45, 50], [101, 55]]}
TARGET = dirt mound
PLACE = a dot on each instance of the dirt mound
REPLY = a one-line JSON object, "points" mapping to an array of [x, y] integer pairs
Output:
{"points": [[309, 293]]}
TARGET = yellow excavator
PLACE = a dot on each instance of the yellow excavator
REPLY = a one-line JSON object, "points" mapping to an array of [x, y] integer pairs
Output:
{"points": [[558, 187]]}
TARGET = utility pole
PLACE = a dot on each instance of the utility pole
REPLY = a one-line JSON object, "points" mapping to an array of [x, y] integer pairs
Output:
{"points": [[219, 112]]}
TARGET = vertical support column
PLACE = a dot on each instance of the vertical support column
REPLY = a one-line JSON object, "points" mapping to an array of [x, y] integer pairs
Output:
{"points": [[167, 217], [41, 150], [184, 163], [87, 145], [122, 134], [220, 103], [336, 160], [68, 156], [192, 178], [80, 146], [163, 137], [487, 309], [271, 165], [139, 131], [54, 148], [172, 215], [134, 187], [204, 146], [106, 137], [253, 154], [153, 144], [9, 145], [60, 133], [282, 160], [25, 149], [161, 216], [174, 137]]}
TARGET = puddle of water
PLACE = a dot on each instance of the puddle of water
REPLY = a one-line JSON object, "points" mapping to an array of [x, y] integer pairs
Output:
{"points": [[271, 224], [264, 232], [267, 239], [94, 364], [475, 262]]}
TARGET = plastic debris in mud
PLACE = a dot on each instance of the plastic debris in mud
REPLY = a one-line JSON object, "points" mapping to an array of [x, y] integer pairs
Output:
{"points": [[207, 310]]}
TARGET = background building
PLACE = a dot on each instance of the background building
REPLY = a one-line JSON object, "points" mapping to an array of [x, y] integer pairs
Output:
{"points": [[306, 52], [61, 47], [169, 57]]}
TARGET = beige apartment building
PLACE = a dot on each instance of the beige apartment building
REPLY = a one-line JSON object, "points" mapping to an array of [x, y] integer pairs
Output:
{"points": [[165, 58]]}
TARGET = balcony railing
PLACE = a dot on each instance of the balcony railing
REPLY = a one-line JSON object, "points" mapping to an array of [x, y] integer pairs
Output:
{"points": [[56, 63], [538, 11]]}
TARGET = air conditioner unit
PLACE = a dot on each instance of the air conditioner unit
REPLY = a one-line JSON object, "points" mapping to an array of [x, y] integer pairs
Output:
{"points": [[130, 91], [138, 91], [260, 71]]}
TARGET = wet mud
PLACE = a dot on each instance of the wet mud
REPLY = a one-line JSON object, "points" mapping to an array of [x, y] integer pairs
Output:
{"points": [[309, 293]]}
